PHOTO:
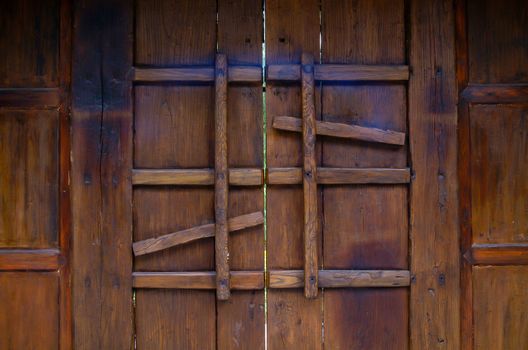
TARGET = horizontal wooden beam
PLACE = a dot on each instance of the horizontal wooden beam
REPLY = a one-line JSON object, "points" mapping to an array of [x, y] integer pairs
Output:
{"points": [[341, 278], [337, 176], [498, 254], [354, 132], [241, 280], [30, 259], [496, 93], [152, 245], [251, 280], [341, 72], [195, 177], [30, 98], [196, 74]]}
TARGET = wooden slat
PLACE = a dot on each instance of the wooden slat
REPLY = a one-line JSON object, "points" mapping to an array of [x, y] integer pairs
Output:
{"points": [[152, 245], [341, 72], [199, 74], [241, 280], [498, 254], [221, 180], [309, 177], [42, 98], [342, 278], [199, 177], [353, 132], [334, 176], [496, 93], [30, 259]]}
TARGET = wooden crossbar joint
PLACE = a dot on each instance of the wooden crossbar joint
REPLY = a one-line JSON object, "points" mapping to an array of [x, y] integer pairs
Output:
{"points": [[221, 180], [309, 178]]}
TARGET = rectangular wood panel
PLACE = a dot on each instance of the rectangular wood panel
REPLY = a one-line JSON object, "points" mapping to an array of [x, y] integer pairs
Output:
{"points": [[29, 152], [294, 322], [29, 312], [499, 167]]}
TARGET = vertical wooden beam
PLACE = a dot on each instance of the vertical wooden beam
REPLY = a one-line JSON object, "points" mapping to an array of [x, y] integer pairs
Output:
{"points": [[435, 281], [221, 234], [309, 176], [100, 172]]}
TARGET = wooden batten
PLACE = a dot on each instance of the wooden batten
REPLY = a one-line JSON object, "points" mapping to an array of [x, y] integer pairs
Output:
{"points": [[496, 93], [195, 177], [30, 97], [221, 180], [353, 132], [311, 223], [30, 259], [340, 176], [237, 223], [342, 278], [341, 72], [197, 74], [240, 280], [498, 254]]}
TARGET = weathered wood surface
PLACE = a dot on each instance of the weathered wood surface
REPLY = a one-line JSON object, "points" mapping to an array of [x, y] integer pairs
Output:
{"points": [[311, 217], [201, 74], [341, 278], [335, 176], [434, 215], [354, 132], [41, 98], [498, 254], [30, 259], [237, 223], [100, 174], [340, 72], [240, 280], [195, 177], [496, 93]]}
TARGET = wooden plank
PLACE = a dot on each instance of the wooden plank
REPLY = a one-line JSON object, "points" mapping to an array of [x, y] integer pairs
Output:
{"points": [[101, 157], [341, 72], [329, 176], [198, 74], [354, 132], [240, 280], [41, 98], [496, 93], [365, 227], [30, 259], [198, 177], [29, 311], [237, 223], [434, 203], [341, 278], [221, 180], [294, 322], [498, 254], [311, 223], [240, 320]]}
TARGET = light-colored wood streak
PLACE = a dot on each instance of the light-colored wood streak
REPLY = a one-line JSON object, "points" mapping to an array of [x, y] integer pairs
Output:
{"points": [[341, 72], [241, 280], [199, 74], [237, 223], [198, 177], [336, 176], [341, 278], [498, 254], [354, 132]]}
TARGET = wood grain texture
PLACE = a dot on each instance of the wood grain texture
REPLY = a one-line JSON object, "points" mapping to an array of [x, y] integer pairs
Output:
{"points": [[100, 174], [500, 305], [352, 132], [311, 217], [341, 278], [29, 312], [195, 177], [498, 254], [294, 322], [30, 43], [500, 55], [499, 162], [203, 74], [340, 72], [237, 223], [496, 93], [241, 280], [29, 180], [39, 98], [434, 217], [30, 259], [221, 180], [340, 176]]}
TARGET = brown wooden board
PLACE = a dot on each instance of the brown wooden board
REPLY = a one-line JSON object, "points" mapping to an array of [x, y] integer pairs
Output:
{"points": [[101, 163], [365, 226], [29, 311], [294, 322]]}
